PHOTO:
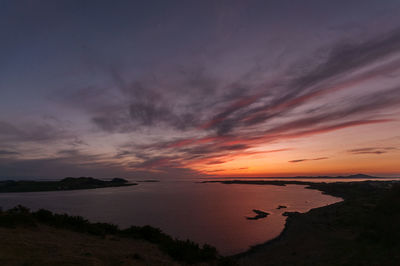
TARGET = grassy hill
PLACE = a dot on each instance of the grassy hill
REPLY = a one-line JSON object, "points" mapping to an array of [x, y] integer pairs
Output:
{"points": [[33, 238]]}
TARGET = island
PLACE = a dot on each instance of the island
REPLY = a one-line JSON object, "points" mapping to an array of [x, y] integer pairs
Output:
{"points": [[68, 183], [282, 180], [259, 215]]}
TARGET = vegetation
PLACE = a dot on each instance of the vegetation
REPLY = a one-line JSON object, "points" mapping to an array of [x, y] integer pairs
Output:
{"points": [[68, 183], [184, 251]]}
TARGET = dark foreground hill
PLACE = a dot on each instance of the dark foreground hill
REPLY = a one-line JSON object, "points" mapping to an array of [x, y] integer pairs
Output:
{"points": [[43, 238], [68, 183]]}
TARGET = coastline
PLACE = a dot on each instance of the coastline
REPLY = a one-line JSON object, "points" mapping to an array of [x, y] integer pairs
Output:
{"points": [[290, 218], [334, 234]]}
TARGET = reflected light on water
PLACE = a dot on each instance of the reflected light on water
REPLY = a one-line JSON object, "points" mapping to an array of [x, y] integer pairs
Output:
{"points": [[205, 213]]}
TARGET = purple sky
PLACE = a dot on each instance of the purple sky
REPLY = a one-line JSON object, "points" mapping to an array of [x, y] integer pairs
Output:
{"points": [[192, 88]]}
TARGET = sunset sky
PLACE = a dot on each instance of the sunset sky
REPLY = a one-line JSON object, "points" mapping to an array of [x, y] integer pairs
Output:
{"points": [[171, 89]]}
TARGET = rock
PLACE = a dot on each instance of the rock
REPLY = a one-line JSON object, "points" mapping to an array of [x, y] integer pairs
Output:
{"points": [[259, 215]]}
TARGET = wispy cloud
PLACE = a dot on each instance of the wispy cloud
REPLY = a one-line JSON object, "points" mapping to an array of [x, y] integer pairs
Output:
{"points": [[339, 71], [7, 153], [372, 150], [248, 120], [305, 160], [221, 119], [197, 86], [35, 131]]}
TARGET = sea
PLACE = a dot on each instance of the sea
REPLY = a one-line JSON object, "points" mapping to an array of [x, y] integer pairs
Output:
{"points": [[211, 213]]}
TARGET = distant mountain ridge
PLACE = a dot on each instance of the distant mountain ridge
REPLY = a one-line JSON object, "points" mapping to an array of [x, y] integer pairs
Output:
{"points": [[354, 176]]}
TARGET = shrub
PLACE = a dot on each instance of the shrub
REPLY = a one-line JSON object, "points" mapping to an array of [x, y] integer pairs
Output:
{"points": [[185, 251], [17, 216]]}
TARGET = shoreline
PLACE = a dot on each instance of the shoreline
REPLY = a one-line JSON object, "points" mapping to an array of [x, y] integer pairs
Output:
{"points": [[351, 217], [290, 216]]}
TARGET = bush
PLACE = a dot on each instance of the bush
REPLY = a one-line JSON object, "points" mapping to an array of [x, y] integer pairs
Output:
{"points": [[189, 251], [146, 232], [17, 216], [185, 251]]}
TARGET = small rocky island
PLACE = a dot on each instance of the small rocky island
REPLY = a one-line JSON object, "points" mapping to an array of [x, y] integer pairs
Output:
{"points": [[68, 183], [259, 215]]}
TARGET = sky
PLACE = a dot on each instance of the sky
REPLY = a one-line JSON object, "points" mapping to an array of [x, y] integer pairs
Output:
{"points": [[179, 89]]}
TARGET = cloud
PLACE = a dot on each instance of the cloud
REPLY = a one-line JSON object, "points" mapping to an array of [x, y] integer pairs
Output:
{"points": [[216, 162], [192, 98], [128, 105], [338, 71], [69, 152], [372, 150], [55, 168], [305, 160], [220, 118], [75, 163], [221, 149], [33, 132], [8, 153]]}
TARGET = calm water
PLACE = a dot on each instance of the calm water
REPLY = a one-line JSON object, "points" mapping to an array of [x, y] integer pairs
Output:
{"points": [[206, 213]]}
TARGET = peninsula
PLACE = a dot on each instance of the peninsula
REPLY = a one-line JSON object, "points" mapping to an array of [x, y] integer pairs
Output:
{"points": [[360, 230]]}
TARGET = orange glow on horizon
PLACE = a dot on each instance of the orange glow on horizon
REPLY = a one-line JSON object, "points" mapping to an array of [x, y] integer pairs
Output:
{"points": [[312, 155]]}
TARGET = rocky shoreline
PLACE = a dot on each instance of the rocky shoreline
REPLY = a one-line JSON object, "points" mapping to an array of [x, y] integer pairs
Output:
{"points": [[259, 215]]}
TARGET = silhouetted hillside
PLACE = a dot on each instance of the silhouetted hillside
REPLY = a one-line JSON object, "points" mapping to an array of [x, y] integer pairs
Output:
{"points": [[68, 183]]}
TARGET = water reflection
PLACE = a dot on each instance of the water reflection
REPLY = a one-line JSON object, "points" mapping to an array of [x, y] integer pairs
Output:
{"points": [[206, 213]]}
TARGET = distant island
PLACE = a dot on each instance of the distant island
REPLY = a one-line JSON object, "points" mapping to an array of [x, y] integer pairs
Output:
{"points": [[355, 176], [68, 183], [259, 215], [276, 181]]}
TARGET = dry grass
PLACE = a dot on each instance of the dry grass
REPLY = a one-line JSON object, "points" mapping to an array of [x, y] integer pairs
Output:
{"points": [[45, 245]]}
